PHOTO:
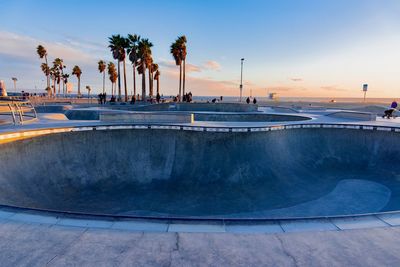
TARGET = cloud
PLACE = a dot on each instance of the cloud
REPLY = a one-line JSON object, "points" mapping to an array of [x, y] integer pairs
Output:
{"points": [[296, 79], [24, 47], [212, 65], [170, 65]]}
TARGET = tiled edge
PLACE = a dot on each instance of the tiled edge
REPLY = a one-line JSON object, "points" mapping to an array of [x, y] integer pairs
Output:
{"points": [[308, 225], [274, 226], [31, 133], [360, 222]]}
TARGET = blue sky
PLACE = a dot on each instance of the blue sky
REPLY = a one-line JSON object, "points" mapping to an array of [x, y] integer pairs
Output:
{"points": [[293, 47]]}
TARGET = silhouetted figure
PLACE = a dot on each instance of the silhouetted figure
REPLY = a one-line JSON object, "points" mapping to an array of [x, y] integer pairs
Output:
{"points": [[214, 100], [248, 100], [133, 99], [389, 112], [158, 97], [254, 101], [220, 99]]}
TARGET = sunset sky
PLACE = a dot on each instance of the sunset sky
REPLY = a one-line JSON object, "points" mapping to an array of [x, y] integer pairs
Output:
{"points": [[292, 47]]}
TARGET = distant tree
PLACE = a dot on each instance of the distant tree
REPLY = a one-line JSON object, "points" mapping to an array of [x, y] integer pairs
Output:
{"points": [[102, 67], [112, 73], [157, 78], [42, 52], [175, 51], [88, 89], [179, 52], [132, 51], [144, 52], [77, 72], [117, 45]]}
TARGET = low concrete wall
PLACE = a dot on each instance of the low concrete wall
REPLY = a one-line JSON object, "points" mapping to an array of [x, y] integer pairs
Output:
{"points": [[53, 108], [353, 115], [247, 117], [216, 107], [147, 117]]}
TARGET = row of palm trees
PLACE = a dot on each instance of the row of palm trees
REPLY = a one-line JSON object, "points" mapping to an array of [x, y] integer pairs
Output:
{"points": [[56, 73], [133, 47], [138, 51]]}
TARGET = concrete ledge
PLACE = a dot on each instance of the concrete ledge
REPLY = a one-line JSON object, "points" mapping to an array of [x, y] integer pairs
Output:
{"points": [[216, 107], [148, 117], [354, 115]]}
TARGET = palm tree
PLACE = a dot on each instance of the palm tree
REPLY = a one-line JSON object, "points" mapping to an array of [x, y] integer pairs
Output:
{"points": [[42, 52], [59, 64], [77, 72], [46, 70], [133, 55], [144, 52], [54, 73], [65, 77], [175, 51], [88, 89], [113, 75], [117, 47], [154, 68], [150, 67], [178, 51], [102, 68], [157, 78], [182, 43]]}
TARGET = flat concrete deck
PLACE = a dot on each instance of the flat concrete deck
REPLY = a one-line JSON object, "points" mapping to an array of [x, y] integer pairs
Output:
{"points": [[27, 244]]}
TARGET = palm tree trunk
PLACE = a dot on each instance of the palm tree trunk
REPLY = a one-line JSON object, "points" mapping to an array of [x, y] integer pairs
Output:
{"points": [[47, 75], [126, 89], [59, 84], [54, 87], [180, 82], [119, 83], [134, 79], [184, 78], [158, 85], [104, 81], [144, 83], [79, 86], [150, 87]]}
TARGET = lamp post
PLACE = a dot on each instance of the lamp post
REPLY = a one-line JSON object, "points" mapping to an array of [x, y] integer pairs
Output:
{"points": [[241, 79]]}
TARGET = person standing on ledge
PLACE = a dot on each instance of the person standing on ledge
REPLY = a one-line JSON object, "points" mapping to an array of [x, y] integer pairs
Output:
{"points": [[248, 100], [254, 101]]}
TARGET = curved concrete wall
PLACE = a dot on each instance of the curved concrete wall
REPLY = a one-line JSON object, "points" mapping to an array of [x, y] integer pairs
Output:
{"points": [[183, 173]]}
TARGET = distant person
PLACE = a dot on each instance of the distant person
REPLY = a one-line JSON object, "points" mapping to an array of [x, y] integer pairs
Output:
{"points": [[133, 100], [389, 112], [254, 101], [214, 100], [221, 97], [248, 100], [158, 97]]}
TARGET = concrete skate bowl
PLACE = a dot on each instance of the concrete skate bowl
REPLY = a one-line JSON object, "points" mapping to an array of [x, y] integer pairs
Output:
{"points": [[185, 174], [94, 114]]}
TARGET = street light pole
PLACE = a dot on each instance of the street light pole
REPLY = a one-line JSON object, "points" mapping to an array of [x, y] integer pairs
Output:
{"points": [[241, 79]]}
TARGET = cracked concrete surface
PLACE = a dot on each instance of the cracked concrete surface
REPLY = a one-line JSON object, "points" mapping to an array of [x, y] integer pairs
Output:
{"points": [[24, 244]]}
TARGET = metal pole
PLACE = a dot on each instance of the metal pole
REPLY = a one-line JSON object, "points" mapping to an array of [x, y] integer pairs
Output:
{"points": [[241, 79]]}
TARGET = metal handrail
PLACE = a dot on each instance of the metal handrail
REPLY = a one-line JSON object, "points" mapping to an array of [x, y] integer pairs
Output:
{"points": [[18, 108]]}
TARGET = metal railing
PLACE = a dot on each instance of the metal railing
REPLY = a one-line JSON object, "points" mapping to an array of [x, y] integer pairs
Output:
{"points": [[19, 109]]}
